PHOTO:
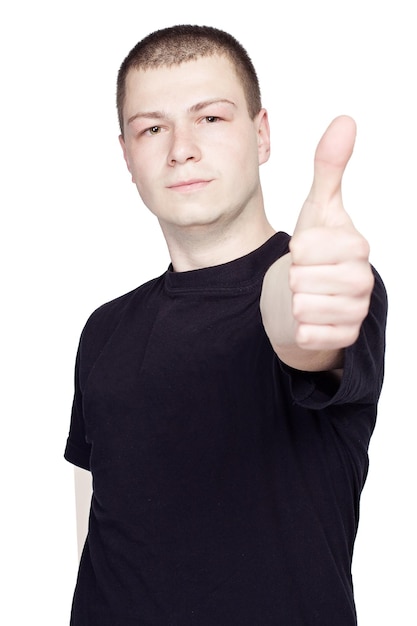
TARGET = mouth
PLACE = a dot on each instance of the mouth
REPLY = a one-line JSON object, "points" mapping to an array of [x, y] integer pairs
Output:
{"points": [[185, 186]]}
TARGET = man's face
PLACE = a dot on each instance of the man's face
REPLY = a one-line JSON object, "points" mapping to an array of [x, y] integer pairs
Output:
{"points": [[190, 145]]}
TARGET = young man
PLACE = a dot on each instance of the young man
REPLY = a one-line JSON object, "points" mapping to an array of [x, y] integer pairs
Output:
{"points": [[225, 408]]}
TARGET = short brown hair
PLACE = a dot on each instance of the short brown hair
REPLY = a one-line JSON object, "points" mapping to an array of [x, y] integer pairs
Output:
{"points": [[178, 44]]}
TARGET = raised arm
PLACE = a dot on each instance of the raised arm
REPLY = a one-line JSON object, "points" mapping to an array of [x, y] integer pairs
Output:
{"points": [[315, 298]]}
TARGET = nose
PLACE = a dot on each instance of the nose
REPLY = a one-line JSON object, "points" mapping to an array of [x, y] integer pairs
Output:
{"points": [[183, 147]]}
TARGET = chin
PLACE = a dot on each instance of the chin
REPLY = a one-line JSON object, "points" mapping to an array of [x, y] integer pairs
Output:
{"points": [[187, 217], [192, 222]]}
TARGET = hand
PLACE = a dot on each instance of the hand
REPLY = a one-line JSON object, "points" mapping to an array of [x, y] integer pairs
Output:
{"points": [[330, 276]]}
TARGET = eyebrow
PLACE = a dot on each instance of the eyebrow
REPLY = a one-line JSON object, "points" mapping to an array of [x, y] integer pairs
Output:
{"points": [[193, 109]]}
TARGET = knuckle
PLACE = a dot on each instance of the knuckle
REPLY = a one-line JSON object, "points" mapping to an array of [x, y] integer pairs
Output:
{"points": [[297, 307], [349, 335], [362, 247], [293, 278]]}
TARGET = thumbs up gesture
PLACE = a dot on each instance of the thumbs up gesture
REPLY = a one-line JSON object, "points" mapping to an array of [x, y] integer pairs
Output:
{"points": [[328, 275]]}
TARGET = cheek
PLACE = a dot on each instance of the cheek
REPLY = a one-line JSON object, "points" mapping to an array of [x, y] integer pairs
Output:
{"points": [[142, 159], [149, 183], [243, 166], [243, 151], [146, 188], [143, 170]]}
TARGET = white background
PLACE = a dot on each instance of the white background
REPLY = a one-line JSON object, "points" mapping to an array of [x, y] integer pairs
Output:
{"points": [[74, 235]]}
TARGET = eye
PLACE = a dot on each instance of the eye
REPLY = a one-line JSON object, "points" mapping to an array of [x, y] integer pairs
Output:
{"points": [[153, 130], [210, 119]]}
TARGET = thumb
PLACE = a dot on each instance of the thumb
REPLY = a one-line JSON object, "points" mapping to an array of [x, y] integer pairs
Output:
{"points": [[324, 206], [332, 155]]}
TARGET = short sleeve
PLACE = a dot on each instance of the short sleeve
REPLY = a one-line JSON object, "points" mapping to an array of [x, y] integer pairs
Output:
{"points": [[77, 450], [364, 364]]}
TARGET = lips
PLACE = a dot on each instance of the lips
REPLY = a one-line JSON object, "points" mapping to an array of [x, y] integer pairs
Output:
{"points": [[189, 185]]}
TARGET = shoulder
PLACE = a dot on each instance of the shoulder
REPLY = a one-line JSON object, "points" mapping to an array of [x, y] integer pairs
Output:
{"points": [[104, 320], [112, 311]]}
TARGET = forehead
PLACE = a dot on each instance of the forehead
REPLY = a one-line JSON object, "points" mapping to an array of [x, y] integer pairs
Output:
{"points": [[182, 85]]}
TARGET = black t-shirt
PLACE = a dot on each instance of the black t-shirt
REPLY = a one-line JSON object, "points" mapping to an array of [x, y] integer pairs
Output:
{"points": [[226, 486]]}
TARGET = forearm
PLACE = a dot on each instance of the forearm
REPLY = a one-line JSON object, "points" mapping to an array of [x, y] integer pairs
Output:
{"points": [[83, 492], [285, 333]]}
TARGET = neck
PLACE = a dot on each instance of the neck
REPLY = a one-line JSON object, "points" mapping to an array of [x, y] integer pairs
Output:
{"points": [[197, 247]]}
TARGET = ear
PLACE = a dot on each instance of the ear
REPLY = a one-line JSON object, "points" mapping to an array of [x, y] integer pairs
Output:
{"points": [[125, 155], [263, 134]]}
